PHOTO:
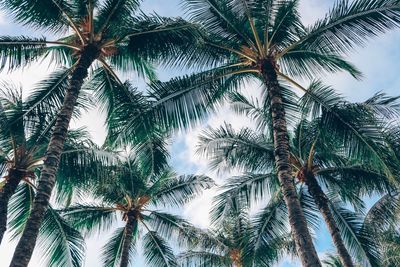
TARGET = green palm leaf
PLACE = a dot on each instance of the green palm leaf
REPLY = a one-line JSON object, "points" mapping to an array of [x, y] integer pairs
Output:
{"points": [[64, 245], [20, 51], [157, 252], [178, 191], [358, 240]]}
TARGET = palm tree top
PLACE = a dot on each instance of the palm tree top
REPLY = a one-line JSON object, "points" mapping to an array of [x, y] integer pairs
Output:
{"points": [[116, 33], [138, 197], [268, 35]]}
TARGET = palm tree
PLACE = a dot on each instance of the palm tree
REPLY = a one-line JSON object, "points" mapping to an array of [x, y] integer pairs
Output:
{"points": [[101, 34], [137, 195], [230, 243], [317, 157], [265, 40], [23, 142]]}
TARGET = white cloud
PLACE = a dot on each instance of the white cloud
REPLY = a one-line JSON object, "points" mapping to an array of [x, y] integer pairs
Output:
{"points": [[3, 21]]}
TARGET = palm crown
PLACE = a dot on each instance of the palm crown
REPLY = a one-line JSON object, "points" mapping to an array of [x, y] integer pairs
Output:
{"points": [[242, 39], [23, 141], [231, 242], [121, 35], [136, 196]]}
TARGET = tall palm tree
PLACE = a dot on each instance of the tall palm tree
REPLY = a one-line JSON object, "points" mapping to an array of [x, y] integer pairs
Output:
{"points": [[318, 159], [23, 142], [230, 243], [265, 40], [137, 196], [101, 34]]}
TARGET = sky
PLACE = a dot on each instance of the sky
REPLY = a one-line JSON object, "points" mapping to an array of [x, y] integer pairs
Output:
{"points": [[379, 61]]}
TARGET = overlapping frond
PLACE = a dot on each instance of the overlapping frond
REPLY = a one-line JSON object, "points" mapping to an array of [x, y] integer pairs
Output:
{"points": [[157, 251], [47, 14], [359, 241], [90, 218], [63, 244], [19, 209], [182, 101], [178, 191], [245, 149], [173, 227]]}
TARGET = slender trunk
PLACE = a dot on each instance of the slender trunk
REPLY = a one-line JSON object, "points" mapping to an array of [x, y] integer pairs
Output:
{"points": [[321, 201], [301, 235], [26, 244], [130, 227], [14, 177]]}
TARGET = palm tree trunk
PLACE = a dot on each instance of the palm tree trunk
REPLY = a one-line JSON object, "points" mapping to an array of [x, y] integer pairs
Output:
{"points": [[129, 229], [321, 201], [14, 177], [301, 235], [26, 244]]}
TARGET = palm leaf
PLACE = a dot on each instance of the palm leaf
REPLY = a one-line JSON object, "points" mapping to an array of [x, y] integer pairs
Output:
{"points": [[349, 24], [64, 245], [360, 243], [177, 191], [90, 218], [20, 51], [157, 252], [19, 208]]}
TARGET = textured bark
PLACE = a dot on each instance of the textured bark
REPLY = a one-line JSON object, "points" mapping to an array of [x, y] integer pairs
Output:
{"points": [[301, 235], [129, 229], [321, 201], [26, 244], [14, 177]]}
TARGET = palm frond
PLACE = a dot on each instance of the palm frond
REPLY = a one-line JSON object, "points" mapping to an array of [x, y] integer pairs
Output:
{"points": [[245, 149], [172, 227], [159, 39], [350, 24], [384, 213], [248, 189], [178, 191], [182, 101], [360, 243], [332, 261], [19, 208], [47, 14], [157, 251], [64, 245], [220, 19], [308, 63], [90, 218], [152, 155], [359, 131], [20, 51], [113, 14]]}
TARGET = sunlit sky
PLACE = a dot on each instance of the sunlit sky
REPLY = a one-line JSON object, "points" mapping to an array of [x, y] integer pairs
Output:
{"points": [[379, 61]]}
